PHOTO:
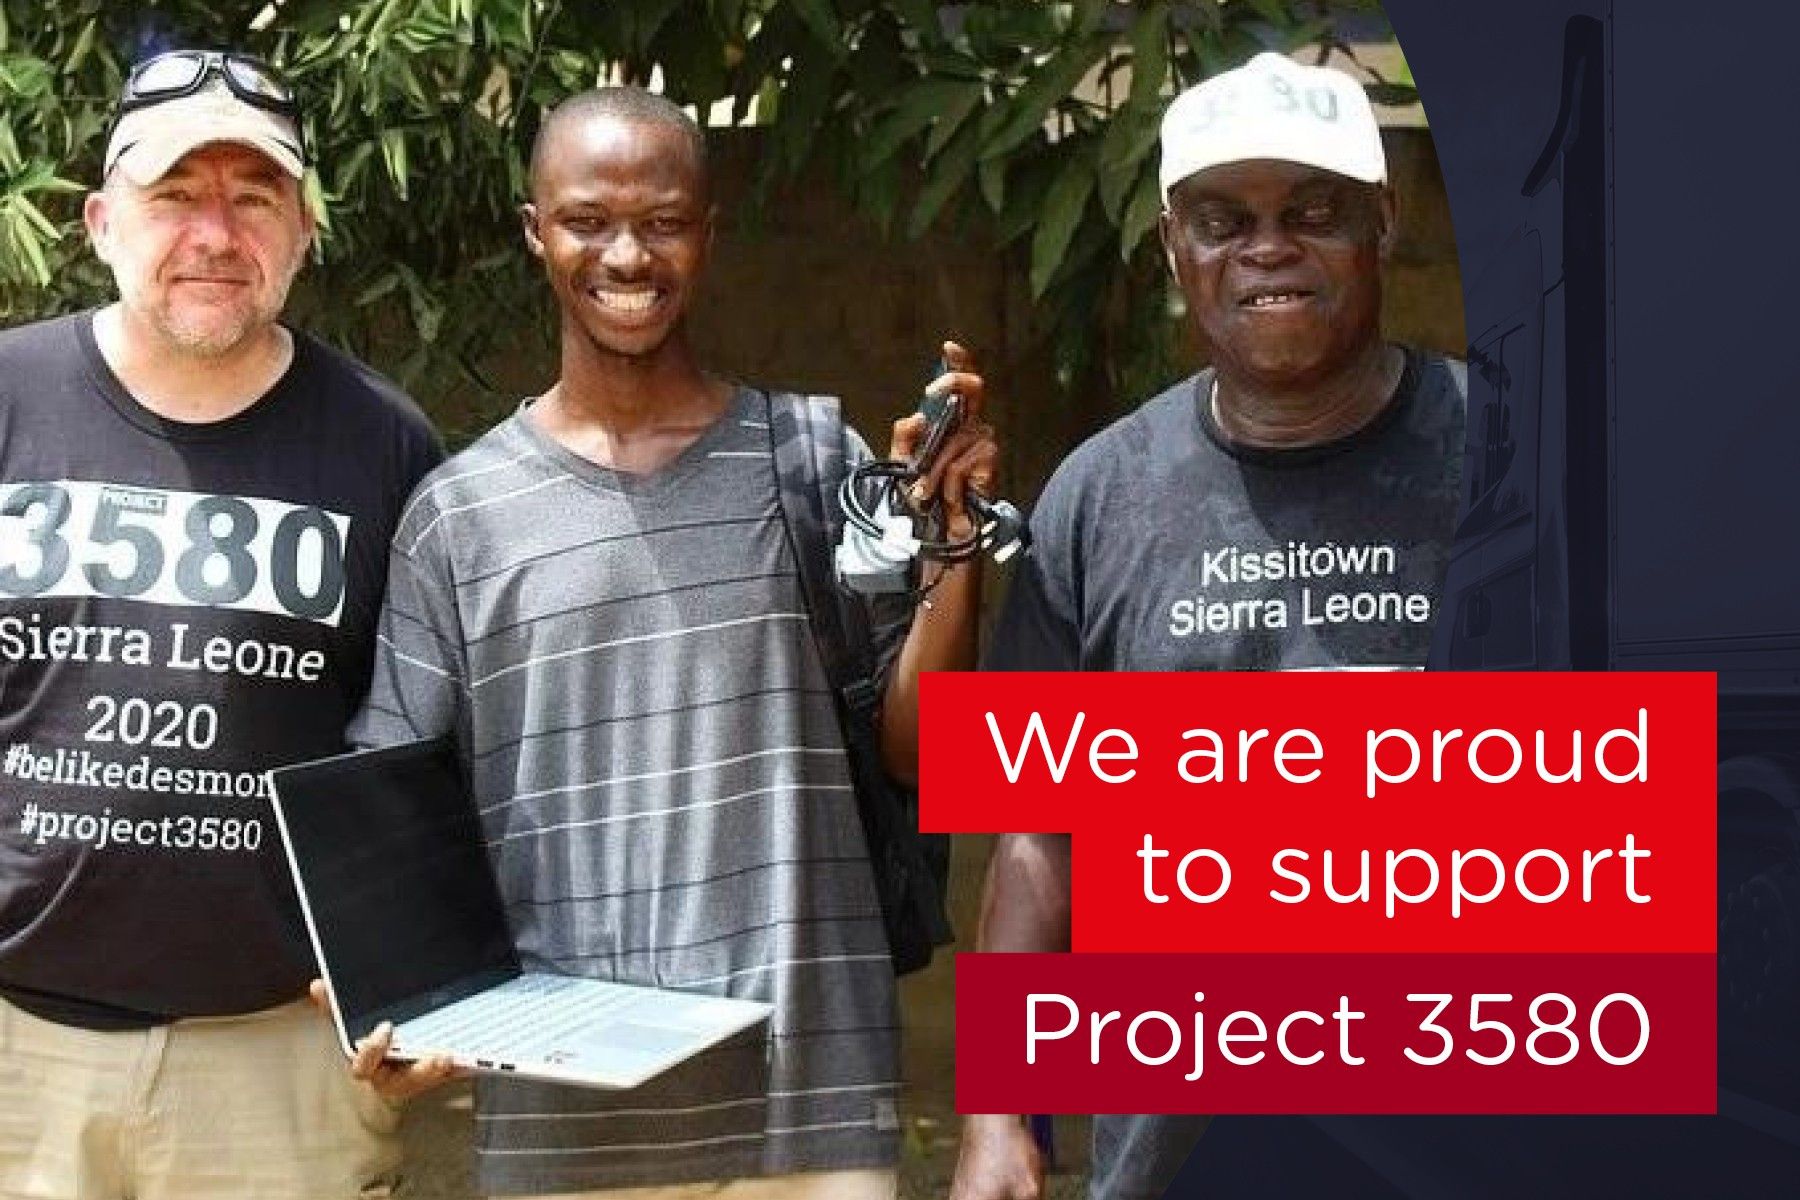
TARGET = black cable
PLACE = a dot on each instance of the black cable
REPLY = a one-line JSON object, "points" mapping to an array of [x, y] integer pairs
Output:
{"points": [[897, 476]]}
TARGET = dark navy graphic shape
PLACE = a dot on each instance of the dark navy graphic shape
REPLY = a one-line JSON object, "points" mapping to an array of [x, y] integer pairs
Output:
{"points": [[1629, 259]]}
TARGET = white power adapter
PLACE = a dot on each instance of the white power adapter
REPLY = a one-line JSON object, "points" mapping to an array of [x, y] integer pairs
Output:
{"points": [[872, 565]]}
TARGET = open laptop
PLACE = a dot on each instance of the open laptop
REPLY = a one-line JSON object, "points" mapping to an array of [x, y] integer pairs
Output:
{"points": [[405, 917]]}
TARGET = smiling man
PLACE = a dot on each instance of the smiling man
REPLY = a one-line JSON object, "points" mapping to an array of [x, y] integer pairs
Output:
{"points": [[600, 600], [195, 506], [1290, 507]]}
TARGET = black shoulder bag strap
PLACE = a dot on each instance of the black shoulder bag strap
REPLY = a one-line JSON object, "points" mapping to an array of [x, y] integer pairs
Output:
{"points": [[806, 438]]}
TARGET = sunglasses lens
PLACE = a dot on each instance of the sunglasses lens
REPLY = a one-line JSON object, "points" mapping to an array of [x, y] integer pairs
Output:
{"points": [[169, 73], [258, 80]]}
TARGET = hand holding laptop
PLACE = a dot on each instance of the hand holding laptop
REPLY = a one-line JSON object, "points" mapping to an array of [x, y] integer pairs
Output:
{"points": [[395, 1082], [420, 972]]}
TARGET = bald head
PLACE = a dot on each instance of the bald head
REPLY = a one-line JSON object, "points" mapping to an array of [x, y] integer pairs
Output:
{"points": [[632, 105]]}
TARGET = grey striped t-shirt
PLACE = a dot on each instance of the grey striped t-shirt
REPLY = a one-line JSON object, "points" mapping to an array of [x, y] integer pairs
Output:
{"points": [[627, 665]]}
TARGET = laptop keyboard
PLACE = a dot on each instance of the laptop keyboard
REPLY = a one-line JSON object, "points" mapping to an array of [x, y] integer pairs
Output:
{"points": [[522, 1019]]}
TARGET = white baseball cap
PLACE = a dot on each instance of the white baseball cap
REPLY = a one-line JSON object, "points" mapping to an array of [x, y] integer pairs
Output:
{"points": [[148, 141], [1273, 107]]}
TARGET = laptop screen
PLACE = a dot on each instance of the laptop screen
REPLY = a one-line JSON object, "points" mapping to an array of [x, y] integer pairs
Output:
{"points": [[388, 852]]}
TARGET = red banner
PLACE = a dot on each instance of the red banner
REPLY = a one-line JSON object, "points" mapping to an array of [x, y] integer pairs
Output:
{"points": [[1511, 877], [1342, 812], [1364, 1033]]}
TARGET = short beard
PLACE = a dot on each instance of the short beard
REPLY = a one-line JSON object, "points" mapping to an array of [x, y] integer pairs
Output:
{"points": [[209, 340]]}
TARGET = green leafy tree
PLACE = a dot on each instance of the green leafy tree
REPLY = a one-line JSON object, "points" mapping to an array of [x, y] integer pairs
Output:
{"points": [[1041, 121], [1030, 125]]}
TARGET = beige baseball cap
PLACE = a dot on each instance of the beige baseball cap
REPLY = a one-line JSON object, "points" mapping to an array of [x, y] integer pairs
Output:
{"points": [[149, 140], [1273, 107]]}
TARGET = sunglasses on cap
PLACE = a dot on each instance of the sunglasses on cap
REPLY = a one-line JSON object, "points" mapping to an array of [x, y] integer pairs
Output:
{"points": [[178, 73]]}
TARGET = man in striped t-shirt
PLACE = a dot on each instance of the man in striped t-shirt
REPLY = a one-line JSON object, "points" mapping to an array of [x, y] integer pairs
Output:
{"points": [[600, 600]]}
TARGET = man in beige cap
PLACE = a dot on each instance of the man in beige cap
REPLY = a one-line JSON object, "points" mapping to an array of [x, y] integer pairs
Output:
{"points": [[1228, 523], [195, 508]]}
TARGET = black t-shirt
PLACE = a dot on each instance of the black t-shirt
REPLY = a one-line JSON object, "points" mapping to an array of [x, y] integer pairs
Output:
{"points": [[1161, 547], [182, 607]]}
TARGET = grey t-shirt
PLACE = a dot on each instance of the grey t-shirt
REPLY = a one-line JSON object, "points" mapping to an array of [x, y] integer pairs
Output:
{"points": [[627, 665], [1159, 547]]}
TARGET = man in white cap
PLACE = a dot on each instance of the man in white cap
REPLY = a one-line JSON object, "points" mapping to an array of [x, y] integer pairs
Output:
{"points": [[195, 509], [1290, 507]]}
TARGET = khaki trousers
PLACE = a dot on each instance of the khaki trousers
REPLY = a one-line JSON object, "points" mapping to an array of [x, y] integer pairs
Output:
{"points": [[257, 1107]]}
